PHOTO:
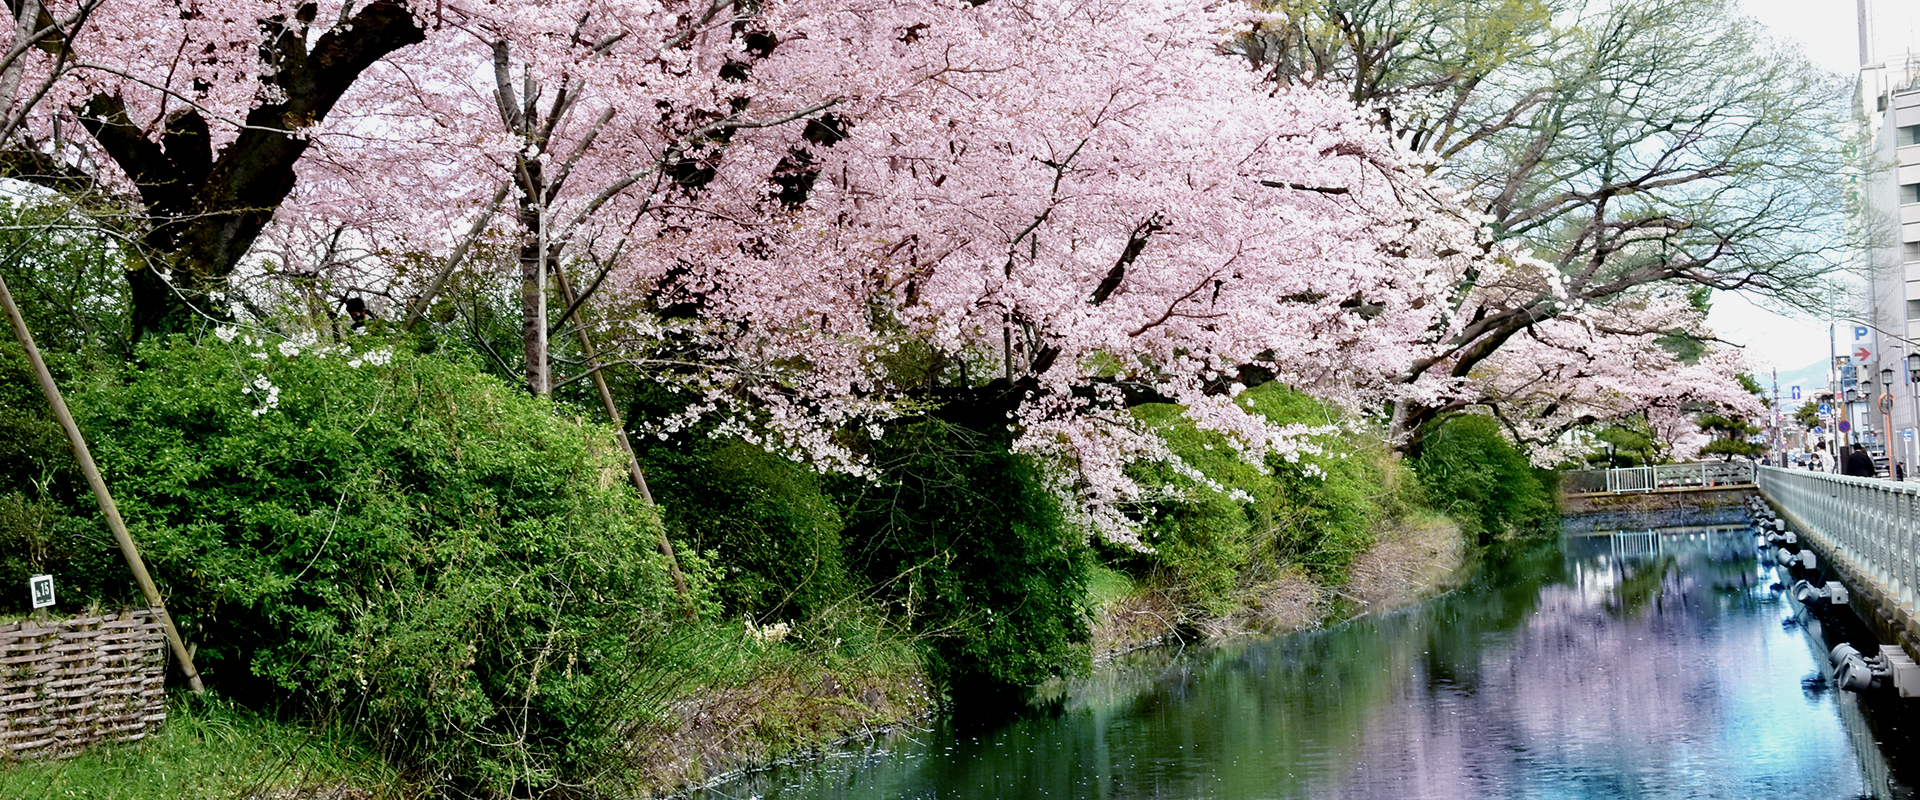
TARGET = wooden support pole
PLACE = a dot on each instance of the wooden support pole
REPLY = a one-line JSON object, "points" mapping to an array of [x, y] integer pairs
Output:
{"points": [[100, 494], [613, 415]]}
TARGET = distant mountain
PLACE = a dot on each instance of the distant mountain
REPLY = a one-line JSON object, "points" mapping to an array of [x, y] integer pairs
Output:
{"points": [[1809, 378]]}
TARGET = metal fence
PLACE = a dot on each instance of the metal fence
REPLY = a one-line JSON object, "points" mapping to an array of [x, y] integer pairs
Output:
{"points": [[1697, 475], [1868, 522]]}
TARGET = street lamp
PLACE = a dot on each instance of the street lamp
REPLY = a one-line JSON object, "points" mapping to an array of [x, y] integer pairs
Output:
{"points": [[1851, 396], [1886, 417], [1913, 402]]}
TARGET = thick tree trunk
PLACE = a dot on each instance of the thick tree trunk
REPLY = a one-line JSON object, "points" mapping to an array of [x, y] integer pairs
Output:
{"points": [[204, 211]]}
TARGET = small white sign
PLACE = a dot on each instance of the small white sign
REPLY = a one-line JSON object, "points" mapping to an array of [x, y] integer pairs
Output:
{"points": [[42, 587]]}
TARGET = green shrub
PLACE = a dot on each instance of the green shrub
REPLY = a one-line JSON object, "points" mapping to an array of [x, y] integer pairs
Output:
{"points": [[48, 523], [1202, 543], [1474, 474], [1317, 512], [67, 269], [762, 520], [969, 546], [409, 543]]}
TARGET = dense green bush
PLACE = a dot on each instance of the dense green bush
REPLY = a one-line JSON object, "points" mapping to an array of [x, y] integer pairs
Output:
{"points": [[393, 537], [47, 521], [1316, 513], [1474, 474], [970, 548], [762, 520]]}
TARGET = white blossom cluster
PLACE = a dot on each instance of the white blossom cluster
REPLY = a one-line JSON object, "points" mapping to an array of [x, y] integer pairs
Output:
{"points": [[261, 388], [768, 634], [269, 394]]}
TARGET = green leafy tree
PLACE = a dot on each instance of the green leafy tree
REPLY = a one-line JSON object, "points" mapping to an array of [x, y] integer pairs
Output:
{"points": [[1629, 442], [1626, 144], [1808, 414], [1731, 437]]}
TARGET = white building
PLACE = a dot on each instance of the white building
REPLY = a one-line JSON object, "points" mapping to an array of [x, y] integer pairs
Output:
{"points": [[1889, 197]]}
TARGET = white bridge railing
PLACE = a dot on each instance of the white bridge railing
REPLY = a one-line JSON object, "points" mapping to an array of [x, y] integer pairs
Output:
{"points": [[1867, 523], [1697, 475]]}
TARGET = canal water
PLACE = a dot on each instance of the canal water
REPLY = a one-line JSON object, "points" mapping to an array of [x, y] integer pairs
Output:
{"points": [[1647, 664]]}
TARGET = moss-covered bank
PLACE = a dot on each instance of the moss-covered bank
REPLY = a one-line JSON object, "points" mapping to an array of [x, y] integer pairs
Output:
{"points": [[1410, 561]]}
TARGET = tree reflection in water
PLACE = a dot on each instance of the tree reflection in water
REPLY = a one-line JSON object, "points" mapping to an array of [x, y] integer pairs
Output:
{"points": [[1648, 664]]}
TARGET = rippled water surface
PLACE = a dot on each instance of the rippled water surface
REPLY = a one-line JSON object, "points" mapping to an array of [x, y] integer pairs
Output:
{"points": [[1634, 665]]}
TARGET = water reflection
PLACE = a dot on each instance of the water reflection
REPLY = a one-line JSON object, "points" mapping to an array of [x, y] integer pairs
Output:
{"points": [[1625, 665]]}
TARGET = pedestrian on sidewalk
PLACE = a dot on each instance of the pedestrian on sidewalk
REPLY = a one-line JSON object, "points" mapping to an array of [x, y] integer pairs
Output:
{"points": [[1859, 464]]}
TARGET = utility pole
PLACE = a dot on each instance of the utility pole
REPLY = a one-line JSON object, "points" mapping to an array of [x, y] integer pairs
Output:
{"points": [[1833, 375], [1779, 444]]}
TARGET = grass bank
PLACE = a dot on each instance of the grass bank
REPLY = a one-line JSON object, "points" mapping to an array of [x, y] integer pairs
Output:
{"points": [[210, 748], [719, 700], [417, 580]]}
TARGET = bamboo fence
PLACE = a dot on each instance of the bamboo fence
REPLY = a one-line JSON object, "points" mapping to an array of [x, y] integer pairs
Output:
{"points": [[72, 683]]}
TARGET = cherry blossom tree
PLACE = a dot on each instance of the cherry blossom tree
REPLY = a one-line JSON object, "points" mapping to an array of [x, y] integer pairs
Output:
{"points": [[322, 141], [813, 218], [359, 129], [818, 217], [1606, 364], [1035, 214]]}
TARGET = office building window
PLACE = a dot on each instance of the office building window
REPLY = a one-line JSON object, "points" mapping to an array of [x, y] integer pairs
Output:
{"points": [[1910, 251], [1907, 135], [1913, 309], [1909, 193]]}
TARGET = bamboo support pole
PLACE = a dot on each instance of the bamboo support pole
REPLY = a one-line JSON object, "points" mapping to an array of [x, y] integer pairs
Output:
{"points": [[620, 433], [100, 494]]}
